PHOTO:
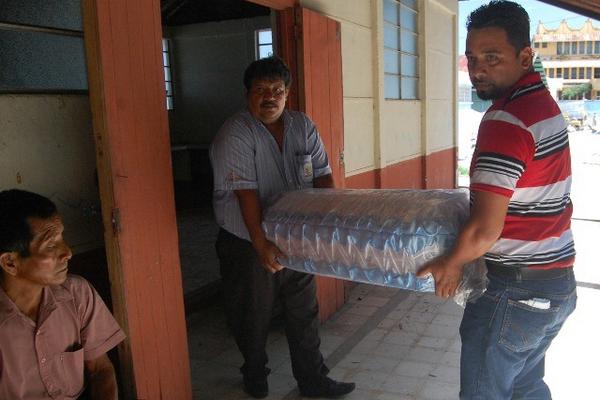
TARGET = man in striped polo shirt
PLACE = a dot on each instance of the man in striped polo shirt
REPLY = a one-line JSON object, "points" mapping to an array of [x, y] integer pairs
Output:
{"points": [[258, 153], [520, 216]]}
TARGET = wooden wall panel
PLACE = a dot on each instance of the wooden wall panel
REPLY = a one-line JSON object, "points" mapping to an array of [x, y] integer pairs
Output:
{"points": [[320, 94], [127, 95], [310, 44]]}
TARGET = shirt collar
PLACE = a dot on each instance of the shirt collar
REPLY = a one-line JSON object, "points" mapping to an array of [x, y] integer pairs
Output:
{"points": [[51, 296], [529, 79]]}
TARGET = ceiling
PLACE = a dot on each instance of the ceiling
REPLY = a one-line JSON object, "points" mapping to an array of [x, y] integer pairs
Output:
{"points": [[590, 8], [180, 12]]}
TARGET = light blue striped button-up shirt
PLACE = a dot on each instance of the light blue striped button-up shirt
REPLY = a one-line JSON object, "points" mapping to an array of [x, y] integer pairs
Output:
{"points": [[244, 155]]}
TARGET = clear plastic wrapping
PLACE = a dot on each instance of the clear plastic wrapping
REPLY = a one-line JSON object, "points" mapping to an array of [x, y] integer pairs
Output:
{"points": [[369, 235]]}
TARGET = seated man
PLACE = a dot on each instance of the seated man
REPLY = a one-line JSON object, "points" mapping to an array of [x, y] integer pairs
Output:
{"points": [[53, 326]]}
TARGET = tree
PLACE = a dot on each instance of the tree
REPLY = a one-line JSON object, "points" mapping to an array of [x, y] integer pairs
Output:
{"points": [[573, 92]]}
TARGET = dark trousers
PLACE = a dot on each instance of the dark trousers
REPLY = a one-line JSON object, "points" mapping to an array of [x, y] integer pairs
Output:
{"points": [[249, 295]]}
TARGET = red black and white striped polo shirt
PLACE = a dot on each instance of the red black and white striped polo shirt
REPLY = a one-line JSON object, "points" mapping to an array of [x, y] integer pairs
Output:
{"points": [[522, 152]]}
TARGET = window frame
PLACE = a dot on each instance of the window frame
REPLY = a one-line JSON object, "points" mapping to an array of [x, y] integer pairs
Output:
{"points": [[168, 72], [258, 44], [406, 58]]}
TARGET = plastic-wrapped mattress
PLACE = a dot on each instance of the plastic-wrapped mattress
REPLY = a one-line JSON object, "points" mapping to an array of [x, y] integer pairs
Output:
{"points": [[375, 236]]}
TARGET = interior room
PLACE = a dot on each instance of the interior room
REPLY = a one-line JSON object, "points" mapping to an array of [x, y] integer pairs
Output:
{"points": [[206, 48]]}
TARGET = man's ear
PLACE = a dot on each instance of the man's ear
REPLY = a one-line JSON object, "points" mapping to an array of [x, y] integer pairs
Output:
{"points": [[8, 262], [526, 55]]}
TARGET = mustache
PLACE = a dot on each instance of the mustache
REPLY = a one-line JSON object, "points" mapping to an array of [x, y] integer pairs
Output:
{"points": [[268, 104]]}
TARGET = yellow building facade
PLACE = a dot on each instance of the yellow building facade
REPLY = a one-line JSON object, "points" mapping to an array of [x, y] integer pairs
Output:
{"points": [[571, 57]]}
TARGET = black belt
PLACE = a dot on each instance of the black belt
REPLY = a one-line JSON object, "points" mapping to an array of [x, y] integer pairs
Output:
{"points": [[524, 273]]}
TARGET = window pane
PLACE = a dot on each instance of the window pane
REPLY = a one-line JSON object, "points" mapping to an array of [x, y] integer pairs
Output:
{"points": [[559, 72], [265, 51], [408, 65], [408, 42], [588, 73], [544, 45], [581, 73], [409, 88], [265, 37], [596, 73], [411, 3], [589, 49], [390, 37], [391, 62], [596, 47], [559, 48], [573, 47], [551, 73], [567, 48], [408, 19], [392, 87], [165, 59], [390, 12], [581, 47]]}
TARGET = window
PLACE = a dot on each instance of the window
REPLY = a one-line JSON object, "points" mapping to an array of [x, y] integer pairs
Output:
{"points": [[559, 72], [596, 73], [544, 45], [588, 73], [589, 47], [581, 74], [550, 72], [559, 48], [400, 42], [581, 47], [567, 48], [536, 45], [264, 43], [573, 47], [166, 52], [597, 47]]}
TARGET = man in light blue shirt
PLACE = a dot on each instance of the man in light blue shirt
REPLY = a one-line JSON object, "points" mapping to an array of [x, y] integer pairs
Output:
{"points": [[260, 152]]}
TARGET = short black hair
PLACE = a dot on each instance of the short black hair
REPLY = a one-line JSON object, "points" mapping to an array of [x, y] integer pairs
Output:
{"points": [[507, 15], [267, 68], [16, 207]]}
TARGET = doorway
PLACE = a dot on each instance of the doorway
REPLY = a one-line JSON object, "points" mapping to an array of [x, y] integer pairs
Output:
{"points": [[206, 48]]}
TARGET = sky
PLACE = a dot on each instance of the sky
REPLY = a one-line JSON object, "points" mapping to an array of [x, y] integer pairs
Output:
{"points": [[538, 11]]}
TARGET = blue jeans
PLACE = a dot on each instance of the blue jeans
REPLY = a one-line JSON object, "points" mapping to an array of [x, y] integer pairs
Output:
{"points": [[504, 341]]}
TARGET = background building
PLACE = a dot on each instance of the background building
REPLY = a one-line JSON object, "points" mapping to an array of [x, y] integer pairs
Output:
{"points": [[571, 59]]}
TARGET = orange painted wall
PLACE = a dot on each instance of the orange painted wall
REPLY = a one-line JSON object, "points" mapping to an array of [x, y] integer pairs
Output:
{"points": [[436, 170]]}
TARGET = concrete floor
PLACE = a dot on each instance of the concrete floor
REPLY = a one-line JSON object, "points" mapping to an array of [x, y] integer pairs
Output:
{"points": [[404, 345]]}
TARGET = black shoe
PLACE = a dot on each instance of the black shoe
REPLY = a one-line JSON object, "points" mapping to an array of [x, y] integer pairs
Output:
{"points": [[257, 388], [325, 387]]}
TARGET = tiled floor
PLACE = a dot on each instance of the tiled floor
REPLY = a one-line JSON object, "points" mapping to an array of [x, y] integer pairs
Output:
{"points": [[393, 344]]}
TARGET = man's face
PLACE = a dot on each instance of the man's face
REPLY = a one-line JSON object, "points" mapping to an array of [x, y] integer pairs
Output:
{"points": [[266, 99], [494, 65], [49, 255]]}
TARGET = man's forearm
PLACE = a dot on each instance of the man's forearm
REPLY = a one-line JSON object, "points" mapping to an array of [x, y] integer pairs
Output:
{"points": [[252, 214]]}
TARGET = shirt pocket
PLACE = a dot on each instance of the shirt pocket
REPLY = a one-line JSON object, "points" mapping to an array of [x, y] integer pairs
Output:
{"points": [[304, 169], [71, 370]]}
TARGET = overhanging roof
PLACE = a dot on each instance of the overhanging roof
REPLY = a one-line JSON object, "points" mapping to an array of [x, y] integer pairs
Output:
{"points": [[590, 8]]}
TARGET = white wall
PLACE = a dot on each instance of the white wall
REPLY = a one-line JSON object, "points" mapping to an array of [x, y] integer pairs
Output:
{"points": [[46, 146], [209, 60], [379, 132]]}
